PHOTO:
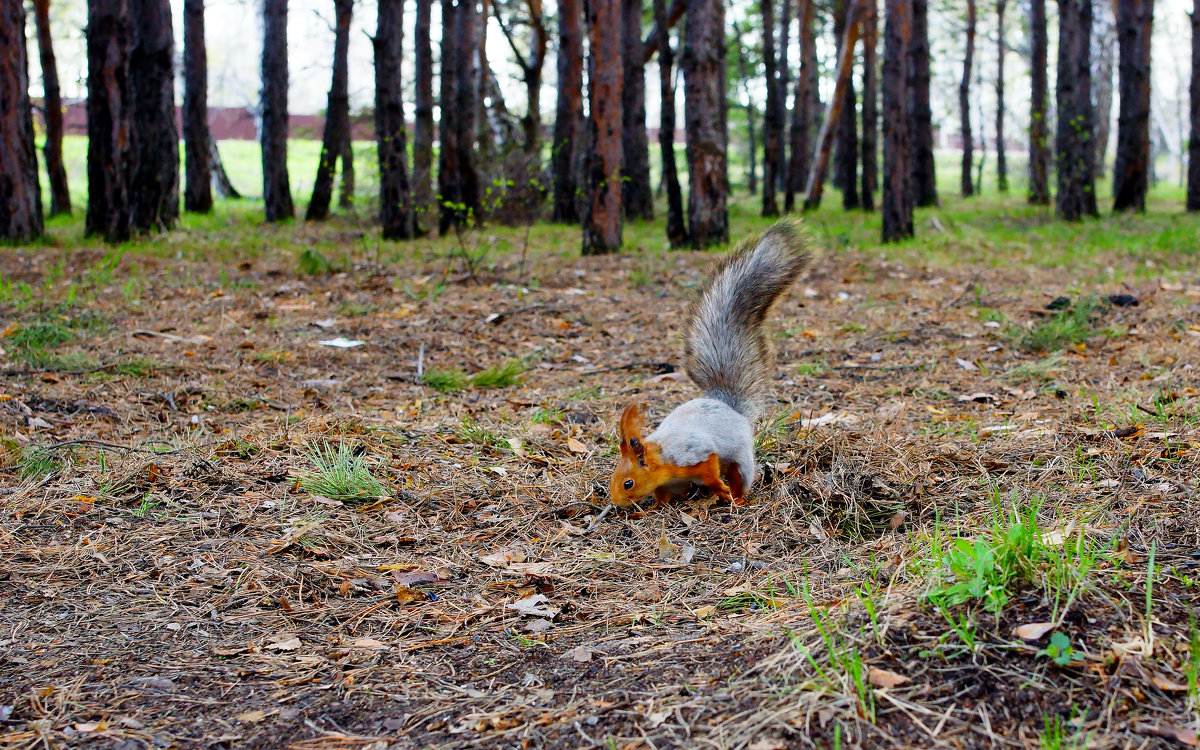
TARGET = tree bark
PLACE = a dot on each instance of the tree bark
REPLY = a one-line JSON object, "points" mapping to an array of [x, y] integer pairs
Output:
{"points": [[20, 192], [568, 118], [1075, 150], [423, 120], [220, 179], [870, 106], [803, 113], [395, 199], [1193, 174], [60, 196], [462, 76], [1131, 171], [964, 105], [1103, 46], [110, 119], [1039, 134], [154, 190], [773, 115], [337, 114], [637, 196], [197, 194], [602, 225], [277, 191], [783, 78], [845, 160], [924, 179], [346, 161], [650, 45], [816, 173], [751, 112], [1001, 164], [676, 230], [897, 180], [531, 74], [706, 122]]}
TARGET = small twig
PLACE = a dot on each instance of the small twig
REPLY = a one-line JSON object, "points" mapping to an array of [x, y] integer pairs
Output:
{"points": [[113, 446], [421, 362], [663, 367], [596, 521]]}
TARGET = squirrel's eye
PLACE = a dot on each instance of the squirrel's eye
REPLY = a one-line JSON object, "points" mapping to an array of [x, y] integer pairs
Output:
{"points": [[629, 484]]}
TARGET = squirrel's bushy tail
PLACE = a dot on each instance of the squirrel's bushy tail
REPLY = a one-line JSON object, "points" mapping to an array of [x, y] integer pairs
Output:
{"points": [[725, 351]]}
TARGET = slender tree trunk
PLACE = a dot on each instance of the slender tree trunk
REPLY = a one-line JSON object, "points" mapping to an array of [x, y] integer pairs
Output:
{"points": [[60, 196], [870, 106], [20, 193], [964, 104], [751, 112], [773, 115], [531, 73], [1074, 149], [1131, 172], [637, 196], [602, 226], [277, 191], [568, 118], [154, 190], [346, 160], [783, 79], [845, 160], [1103, 46], [337, 114], [837, 101], [676, 230], [1039, 134], [650, 45], [706, 122], [803, 113], [462, 77], [395, 200], [197, 194], [924, 182], [1193, 173], [423, 120], [897, 172], [220, 179], [110, 119], [1001, 164]]}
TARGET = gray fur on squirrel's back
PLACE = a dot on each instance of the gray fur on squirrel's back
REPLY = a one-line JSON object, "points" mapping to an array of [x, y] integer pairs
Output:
{"points": [[702, 427], [725, 351]]}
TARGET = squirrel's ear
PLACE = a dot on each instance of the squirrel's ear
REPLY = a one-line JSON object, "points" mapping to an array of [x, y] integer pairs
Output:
{"points": [[631, 423]]}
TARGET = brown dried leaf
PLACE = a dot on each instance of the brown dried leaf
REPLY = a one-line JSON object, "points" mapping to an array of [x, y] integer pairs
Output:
{"points": [[1032, 631], [1166, 731], [885, 678]]}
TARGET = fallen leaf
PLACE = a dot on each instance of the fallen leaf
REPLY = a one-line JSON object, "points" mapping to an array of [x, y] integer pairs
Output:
{"points": [[706, 611], [535, 605], [406, 595], [884, 678], [284, 642], [370, 643], [656, 718], [1168, 685], [502, 557], [1032, 631], [966, 364], [416, 576], [91, 726], [1166, 731], [575, 446], [341, 342], [539, 625], [767, 743], [666, 549], [252, 717], [581, 654]]}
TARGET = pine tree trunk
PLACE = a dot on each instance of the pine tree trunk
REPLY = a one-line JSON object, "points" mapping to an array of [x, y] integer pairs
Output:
{"points": [[346, 161], [220, 179], [1039, 133], [154, 189], [1104, 46], [924, 179], [803, 113], [1131, 171], [1074, 148], [964, 105], [1001, 164], [531, 69], [1193, 174], [773, 114], [706, 123], [568, 118], [337, 114], [676, 230], [422, 181], [197, 194], [277, 191], [751, 112], [602, 225], [60, 196], [637, 196], [897, 172], [816, 175], [395, 200], [870, 106], [110, 119], [462, 78], [845, 160], [20, 192], [783, 77]]}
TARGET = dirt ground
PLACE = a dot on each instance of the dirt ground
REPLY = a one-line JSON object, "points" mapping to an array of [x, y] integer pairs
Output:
{"points": [[166, 582]]}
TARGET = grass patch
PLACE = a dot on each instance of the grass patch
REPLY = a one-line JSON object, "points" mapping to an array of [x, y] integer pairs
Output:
{"points": [[1067, 328], [341, 474], [38, 463], [138, 367], [470, 431], [445, 381], [499, 376]]}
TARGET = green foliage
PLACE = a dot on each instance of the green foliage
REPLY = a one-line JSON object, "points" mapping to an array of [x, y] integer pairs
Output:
{"points": [[446, 381], [499, 376], [341, 474], [1064, 328], [1060, 650], [470, 431], [38, 463], [313, 262]]}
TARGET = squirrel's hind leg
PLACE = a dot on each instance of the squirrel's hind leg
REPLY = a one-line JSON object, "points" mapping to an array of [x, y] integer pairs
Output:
{"points": [[737, 487], [708, 472]]}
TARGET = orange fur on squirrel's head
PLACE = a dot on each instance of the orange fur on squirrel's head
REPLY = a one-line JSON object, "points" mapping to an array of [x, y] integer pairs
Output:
{"points": [[639, 470]]}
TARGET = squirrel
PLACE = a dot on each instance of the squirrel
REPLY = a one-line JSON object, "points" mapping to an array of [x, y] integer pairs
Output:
{"points": [[710, 440]]}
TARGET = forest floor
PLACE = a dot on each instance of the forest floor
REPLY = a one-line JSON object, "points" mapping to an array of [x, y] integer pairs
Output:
{"points": [[978, 525]]}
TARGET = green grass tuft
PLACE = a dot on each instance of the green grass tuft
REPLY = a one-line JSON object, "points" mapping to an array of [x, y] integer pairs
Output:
{"points": [[314, 263], [340, 474], [1065, 328], [446, 381], [499, 376]]}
